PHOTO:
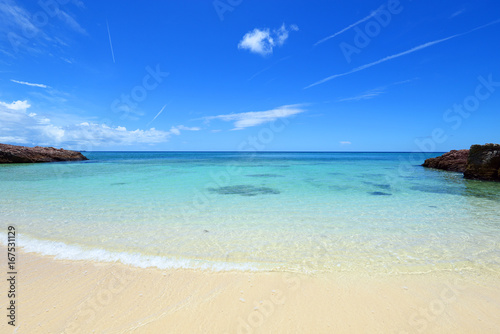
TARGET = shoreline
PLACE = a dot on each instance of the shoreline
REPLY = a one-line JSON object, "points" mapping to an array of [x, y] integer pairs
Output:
{"points": [[78, 296], [59, 250]]}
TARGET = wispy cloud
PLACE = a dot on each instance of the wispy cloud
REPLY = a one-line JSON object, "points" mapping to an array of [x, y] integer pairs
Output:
{"points": [[110, 43], [268, 67], [30, 84], [383, 60], [345, 143], [67, 60], [364, 96], [79, 3], [372, 14], [29, 32], [372, 93], [70, 21], [457, 13], [15, 16], [262, 41], [176, 130], [254, 118]]}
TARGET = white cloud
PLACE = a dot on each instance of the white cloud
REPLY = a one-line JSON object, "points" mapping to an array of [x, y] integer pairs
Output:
{"points": [[14, 140], [187, 128], [22, 127], [262, 41], [282, 33], [16, 105], [257, 41], [345, 143], [29, 84], [253, 118], [176, 130], [383, 60], [101, 134]]}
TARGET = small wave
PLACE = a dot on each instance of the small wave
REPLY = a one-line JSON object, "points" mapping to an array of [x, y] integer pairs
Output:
{"points": [[63, 251]]}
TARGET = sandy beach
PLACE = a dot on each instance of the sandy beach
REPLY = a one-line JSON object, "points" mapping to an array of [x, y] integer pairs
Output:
{"points": [[60, 296], [245, 167]]}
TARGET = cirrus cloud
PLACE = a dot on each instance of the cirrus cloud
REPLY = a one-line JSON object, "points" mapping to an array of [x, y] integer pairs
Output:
{"points": [[253, 118], [29, 84]]}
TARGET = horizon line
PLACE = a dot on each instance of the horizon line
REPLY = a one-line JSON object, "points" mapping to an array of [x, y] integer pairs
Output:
{"points": [[219, 151]]}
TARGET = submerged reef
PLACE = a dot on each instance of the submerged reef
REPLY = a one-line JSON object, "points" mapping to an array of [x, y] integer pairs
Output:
{"points": [[244, 190]]}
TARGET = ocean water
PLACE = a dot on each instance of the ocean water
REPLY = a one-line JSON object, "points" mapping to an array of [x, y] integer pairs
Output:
{"points": [[303, 212]]}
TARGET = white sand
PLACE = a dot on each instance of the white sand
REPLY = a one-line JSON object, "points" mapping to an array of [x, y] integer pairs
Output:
{"points": [[58, 296]]}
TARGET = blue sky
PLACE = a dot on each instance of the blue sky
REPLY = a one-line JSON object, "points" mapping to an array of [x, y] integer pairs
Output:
{"points": [[250, 75]]}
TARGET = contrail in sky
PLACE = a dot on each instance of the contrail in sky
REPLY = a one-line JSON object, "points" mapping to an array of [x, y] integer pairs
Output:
{"points": [[158, 114], [110, 44], [420, 47], [349, 27]]}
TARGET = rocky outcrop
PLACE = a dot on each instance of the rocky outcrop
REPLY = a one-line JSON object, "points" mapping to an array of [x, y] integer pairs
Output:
{"points": [[21, 154], [483, 163], [455, 161]]}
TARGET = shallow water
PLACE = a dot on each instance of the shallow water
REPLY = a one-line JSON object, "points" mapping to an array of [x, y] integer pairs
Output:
{"points": [[304, 212]]}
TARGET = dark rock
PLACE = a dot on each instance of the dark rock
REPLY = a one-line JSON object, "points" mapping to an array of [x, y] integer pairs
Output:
{"points": [[22, 154], [453, 161], [483, 163]]}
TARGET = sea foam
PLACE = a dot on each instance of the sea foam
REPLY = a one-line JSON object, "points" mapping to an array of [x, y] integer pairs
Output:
{"points": [[63, 251]]}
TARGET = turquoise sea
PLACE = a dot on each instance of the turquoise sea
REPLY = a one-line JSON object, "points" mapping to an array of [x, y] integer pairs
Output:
{"points": [[305, 212]]}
